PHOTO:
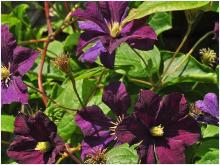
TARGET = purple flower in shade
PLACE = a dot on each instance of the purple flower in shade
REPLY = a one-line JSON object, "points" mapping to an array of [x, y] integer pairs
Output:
{"points": [[207, 110], [163, 127], [216, 31], [102, 25], [36, 140], [98, 129], [16, 61]]}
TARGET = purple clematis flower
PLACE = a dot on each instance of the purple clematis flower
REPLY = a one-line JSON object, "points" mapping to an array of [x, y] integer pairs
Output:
{"points": [[102, 25], [216, 31], [162, 126], [207, 109], [36, 140], [98, 129], [16, 61]]}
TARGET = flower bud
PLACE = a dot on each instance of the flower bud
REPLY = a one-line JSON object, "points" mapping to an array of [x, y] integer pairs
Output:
{"points": [[62, 62]]}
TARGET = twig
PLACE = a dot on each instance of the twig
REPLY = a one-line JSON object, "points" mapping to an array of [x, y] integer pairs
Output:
{"points": [[32, 41], [46, 9], [71, 155], [140, 81]]}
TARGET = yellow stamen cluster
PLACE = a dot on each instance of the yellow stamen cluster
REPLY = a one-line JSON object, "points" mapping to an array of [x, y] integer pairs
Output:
{"points": [[208, 56], [115, 124], [4, 72], [43, 146], [114, 29], [157, 130]]}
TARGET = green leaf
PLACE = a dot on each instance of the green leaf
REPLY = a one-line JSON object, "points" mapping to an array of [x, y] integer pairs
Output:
{"points": [[150, 7], [71, 41], [122, 154], [188, 71], [66, 126], [207, 145], [9, 20], [160, 22], [211, 157], [55, 48], [210, 131], [128, 60], [7, 123]]}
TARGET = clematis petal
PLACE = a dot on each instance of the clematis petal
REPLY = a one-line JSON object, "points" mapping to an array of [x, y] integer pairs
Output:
{"points": [[24, 59], [15, 92], [117, 9], [130, 130], [22, 150], [91, 13], [107, 59], [8, 44], [186, 129], [90, 26], [146, 153], [92, 53], [41, 126], [92, 120], [85, 39], [172, 108], [116, 97], [216, 31], [209, 104], [170, 152], [20, 125], [147, 107], [91, 142]]}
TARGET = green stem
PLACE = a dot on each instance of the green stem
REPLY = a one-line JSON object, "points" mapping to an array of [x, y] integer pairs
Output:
{"points": [[70, 75], [140, 81], [177, 50], [190, 52], [60, 160], [146, 66]]}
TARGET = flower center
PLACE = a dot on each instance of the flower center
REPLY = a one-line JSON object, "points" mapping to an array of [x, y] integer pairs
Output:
{"points": [[5, 72], [43, 146], [114, 29], [157, 130], [115, 124]]}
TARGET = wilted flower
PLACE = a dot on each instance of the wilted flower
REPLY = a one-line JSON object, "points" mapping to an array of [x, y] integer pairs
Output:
{"points": [[208, 56], [102, 25], [62, 62], [97, 156], [207, 109], [162, 126], [16, 61], [36, 140], [98, 129]]}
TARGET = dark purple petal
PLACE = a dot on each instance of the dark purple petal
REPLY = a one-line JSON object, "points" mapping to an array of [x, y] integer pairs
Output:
{"points": [[24, 59], [172, 108], [117, 98], [146, 153], [58, 149], [20, 125], [130, 130], [90, 26], [15, 92], [209, 105], [8, 44], [91, 13], [92, 142], [170, 151], [22, 150], [147, 107], [92, 120], [107, 59], [41, 126], [92, 53], [85, 39], [206, 118], [117, 10], [186, 130]]}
